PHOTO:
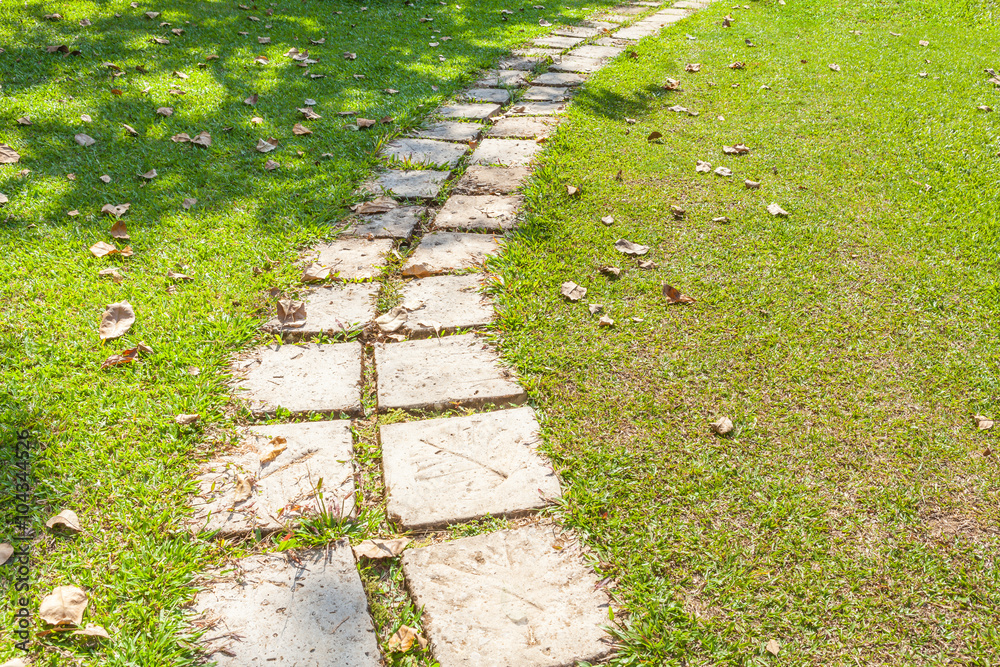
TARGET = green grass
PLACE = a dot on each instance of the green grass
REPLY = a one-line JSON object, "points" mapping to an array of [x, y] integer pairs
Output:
{"points": [[109, 448], [853, 514]]}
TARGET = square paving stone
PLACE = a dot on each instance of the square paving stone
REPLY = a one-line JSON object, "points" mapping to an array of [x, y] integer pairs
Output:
{"points": [[338, 308], [538, 109], [637, 31], [524, 63], [513, 598], [495, 95], [353, 258], [311, 612], [441, 472], [577, 31], [283, 488], [490, 212], [446, 303], [451, 131], [559, 79], [503, 78], [417, 184], [591, 51], [546, 94], [470, 111], [395, 224], [480, 180], [506, 152], [301, 378], [442, 252], [523, 127], [425, 151], [558, 41], [439, 373]]}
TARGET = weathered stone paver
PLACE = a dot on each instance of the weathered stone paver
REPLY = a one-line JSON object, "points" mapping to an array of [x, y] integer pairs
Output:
{"points": [[542, 52], [337, 308], [504, 77], [629, 10], [446, 303], [451, 131], [470, 111], [573, 63], [495, 95], [437, 373], [577, 31], [605, 24], [301, 378], [591, 51], [489, 212], [523, 127], [506, 152], [480, 180], [256, 489], [524, 63], [440, 472], [425, 151], [273, 610], [559, 79], [546, 94], [442, 252], [395, 224], [514, 598], [558, 41], [354, 258], [538, 109], [414, 184]]}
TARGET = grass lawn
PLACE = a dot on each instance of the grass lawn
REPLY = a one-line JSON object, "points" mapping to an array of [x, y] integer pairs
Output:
{"points": [[109, 448], [852, 516]]}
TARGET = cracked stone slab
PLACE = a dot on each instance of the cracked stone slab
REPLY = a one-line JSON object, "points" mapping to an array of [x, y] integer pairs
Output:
{"points": [[578, 64], [523, 127], [443, 252], [506, 152], [504, 77], [524, 63], [275, 611], [283, 488], [451, 131], [425, 151], [597, 52], [527, 590], [559, 79], [301, 378], [469, 111], [538, 109], [439, 373], [577, 31], [447, 303], [413, 184], [495, 95], [488, 212], [441, 472], [335, 309], [546, 94], [353, 258], [395, 224], [480, 180], [558, 42]]}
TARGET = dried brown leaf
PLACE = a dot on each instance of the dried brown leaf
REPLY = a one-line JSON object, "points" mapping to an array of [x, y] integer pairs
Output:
{"points": [[116, 320], [630, 248], [119, 230], [674, 295], [64, 605], [572, 291], [186, 420], [84, 139], [300, 129], [378, 549], [65, 519], [291, 314]]}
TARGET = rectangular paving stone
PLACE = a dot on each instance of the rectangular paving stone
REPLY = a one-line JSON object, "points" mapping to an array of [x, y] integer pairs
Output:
{"points": [[487, 212], [441, 472], [480, 180], [282, 489], [506, 152], [559, 79], [679, 11], [451, 131], [425, 151], [629, 10], [527, 590], [523, 127], [524, 63], [469, 111], [335, 309], [690, 4], [446, 303], [577, 64], [616, 18], [395, 224], [604, 25], [494, 95], [558, 41], [638, 31], [577, 31], [538, 109], [440, 373], [592, 51], [414, 184], [502, 78], [610, 41], [443, 252], [542, 52], [301, 378], [546, 94], [307, 612], [353, 258]]}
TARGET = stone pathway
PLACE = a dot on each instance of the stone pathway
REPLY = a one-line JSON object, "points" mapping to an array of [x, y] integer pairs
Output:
{"points": [[521, 597]]}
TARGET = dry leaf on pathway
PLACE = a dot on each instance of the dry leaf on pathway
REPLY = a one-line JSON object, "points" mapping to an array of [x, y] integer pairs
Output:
{"points": [[630, 248], [277, 445], [126, 357], [835, 67], [291, 313], [773, 647], [300, 129], [244, 488], [173, 275], [271, 165], [392, 320], [186, 420], [165, 111], [92, 631], [188, 203], [605, 321], [66, 519], [266, 145], [116, 211], [6, 551], [692, 67], [983, 423], [309, 114], [119, 230], [674, 295], [315, 272], [403, 639], [776, 210], [722, 426], [64, 605], [149, 175], [703, 167], [377, 549], [116, 320], [203, 139], [8, 155], [653, 135], [84, 139], [572, 291], [723, 171]]}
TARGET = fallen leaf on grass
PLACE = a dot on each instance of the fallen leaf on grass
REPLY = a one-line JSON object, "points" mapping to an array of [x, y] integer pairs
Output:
{"points": [[252, 100], [315, 272], [291, 313], [703, 167], [188, 203], [186, 420], [149, 175], [271, 165], [159, 40], [8, 155], [738, 65], [256, 120], [165, 111], [126, 357], [835, 67], [677, 212], [671, 84], [653, 135], [104, 179], [92, 631], [152, 15], [605, 321], [773, 647], [84, 140], [277, 445], [692, 67], [100, 249], [116, 320], [119, 230], [403, 639], [924, 42], [738, 149], [181, 75], [66, 519], [300, 129], [117, 211], [647, 265], [173, 275], [723, 171], [181, 138], [6, 551], [309, 114], [572, 191], [203, 139], [3, 199], [263, 40], [630, 248], [64, 605], [678, 109], [266, 145], [595, 308], [674, 295], [350, 56], [722, 426], [727, 21], [365, 122], [572, 291], [377, 549], [612, 271], [776, 210], [984, 108], [24, 120], [983, 423], [131, 130], [722, 220], [608, 220]]}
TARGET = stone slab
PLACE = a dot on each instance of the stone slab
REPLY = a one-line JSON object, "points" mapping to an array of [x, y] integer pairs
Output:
{"points": [[603, 25], [425, 151], [559, 79], [690, 4], [513, 598], [616, 18], [523, 127], [592, 51], [441, 472], [505, 152], [485, 212], [560, 42], [301, 378], [275, 611], [494, 95], [440, 373], [538, 109], [638, 31], [538, 51], [609, 41], [353, 258], [480, 180], [680, 9], [335, 309], [284, 489], [451, 131], [469, 111], [546, 94], [629, 10], [443, 252], [577, 31], [503, 78], [395, 224], [447, 303], [413, 184], [523, 63], [577, 64]]}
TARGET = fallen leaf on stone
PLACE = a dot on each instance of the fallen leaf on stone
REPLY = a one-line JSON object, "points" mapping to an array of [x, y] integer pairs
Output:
{"points": [[186, 420], [776, 210], [773, 647], [277, 445], [64, 605], [630, 248], [244, 488], [572, 291], [8, 155], [835, 67], [6, 551], [266, 145], [119, 230], [738, 65], [653, 135], [149, 175], [271, 165], [291, 313], [91, 631], [84, 139], [309, 114], [608, 220], [612, 271], [66, 519], [202, 139], [173, 275], [380, 205], [703, 167], [378, 549], [126, 357], [300, 129], [116, 211], [692, 67], [116, 320], [165, 111], [674, 295], [403, 639], [723, 171], [605, 321], [315, 272], [572, 191], [751, 185], [392, 320], [983, 423], [188, 203]]}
